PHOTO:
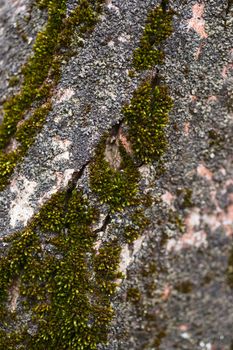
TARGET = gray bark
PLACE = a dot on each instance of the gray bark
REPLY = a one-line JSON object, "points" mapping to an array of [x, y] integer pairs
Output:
{"points": [[180, 264]]}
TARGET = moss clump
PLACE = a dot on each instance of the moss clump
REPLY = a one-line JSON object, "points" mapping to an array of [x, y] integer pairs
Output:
{"points": [[133, 295], [138, 225], [34, 72], [147, 117], [43, 66], [157, 29], [64, 283], [184, 287], [13, 81], [117, 188]]}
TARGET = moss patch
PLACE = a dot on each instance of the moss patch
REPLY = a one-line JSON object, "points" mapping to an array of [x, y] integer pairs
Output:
{"points": [[40, 75], [117, 188], [158, 28], [64, 283], [147, 117]]}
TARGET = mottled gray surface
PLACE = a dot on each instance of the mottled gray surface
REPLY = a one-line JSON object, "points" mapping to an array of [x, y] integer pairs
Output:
{"points": [[20, 21], [98, 79], [186, 302]]}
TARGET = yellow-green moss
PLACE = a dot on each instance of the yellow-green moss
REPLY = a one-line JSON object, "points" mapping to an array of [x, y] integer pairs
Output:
{"points": [[158, 28], [45, 62], [147, 117], [139, 222], [133, 295], [65, 284], [13, 81], [67, 288], [117, 188]]}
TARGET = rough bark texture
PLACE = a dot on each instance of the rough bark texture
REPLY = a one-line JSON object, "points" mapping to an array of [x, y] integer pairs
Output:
{"points": [[177, 289]]}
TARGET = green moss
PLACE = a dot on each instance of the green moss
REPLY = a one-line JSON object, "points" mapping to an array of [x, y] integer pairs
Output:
{"points": [[175, 219], [65, 284], [34, 72], [137, 227], [67, 288], [229, 272], [45, 62], [185, 198], [147, 117], [157, 29], [117, 188], [13, 81], [184, 287], [133, 295], [216, 140]]}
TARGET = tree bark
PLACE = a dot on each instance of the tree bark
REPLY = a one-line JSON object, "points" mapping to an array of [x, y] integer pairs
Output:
{"points": [[134, 157]]}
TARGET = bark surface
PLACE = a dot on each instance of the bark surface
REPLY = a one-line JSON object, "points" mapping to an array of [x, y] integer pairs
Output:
{"points": [[177, 288]]}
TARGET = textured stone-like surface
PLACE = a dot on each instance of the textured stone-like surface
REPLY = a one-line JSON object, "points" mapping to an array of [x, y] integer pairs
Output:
{"points": [[180, 264]]}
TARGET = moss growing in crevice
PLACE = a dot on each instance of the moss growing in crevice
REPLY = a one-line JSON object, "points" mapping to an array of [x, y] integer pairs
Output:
{"points": [[65, 284], [117, 188], [40, 75], [157, 29], [139, 222], [147, 117], [66, 288]]}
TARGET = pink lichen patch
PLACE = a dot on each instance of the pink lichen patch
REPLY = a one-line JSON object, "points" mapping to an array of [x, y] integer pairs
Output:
{"points": [[198, 52], [193, 98], [60, 143], [168, 198], [193, 220], [192, 239], [226, 70], [186, 128], [125, 142], [183, 327], [197, 22], [212, 99], [204, 172], [166, 292]]}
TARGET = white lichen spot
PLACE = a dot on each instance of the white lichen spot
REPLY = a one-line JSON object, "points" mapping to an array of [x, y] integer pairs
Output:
{"points": [[14, 295], [20, 209], [62, 180], [110, 6], [111, 43], [62, 156], [60, 148], [124, 38], [63, 95], [127, 256]]}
